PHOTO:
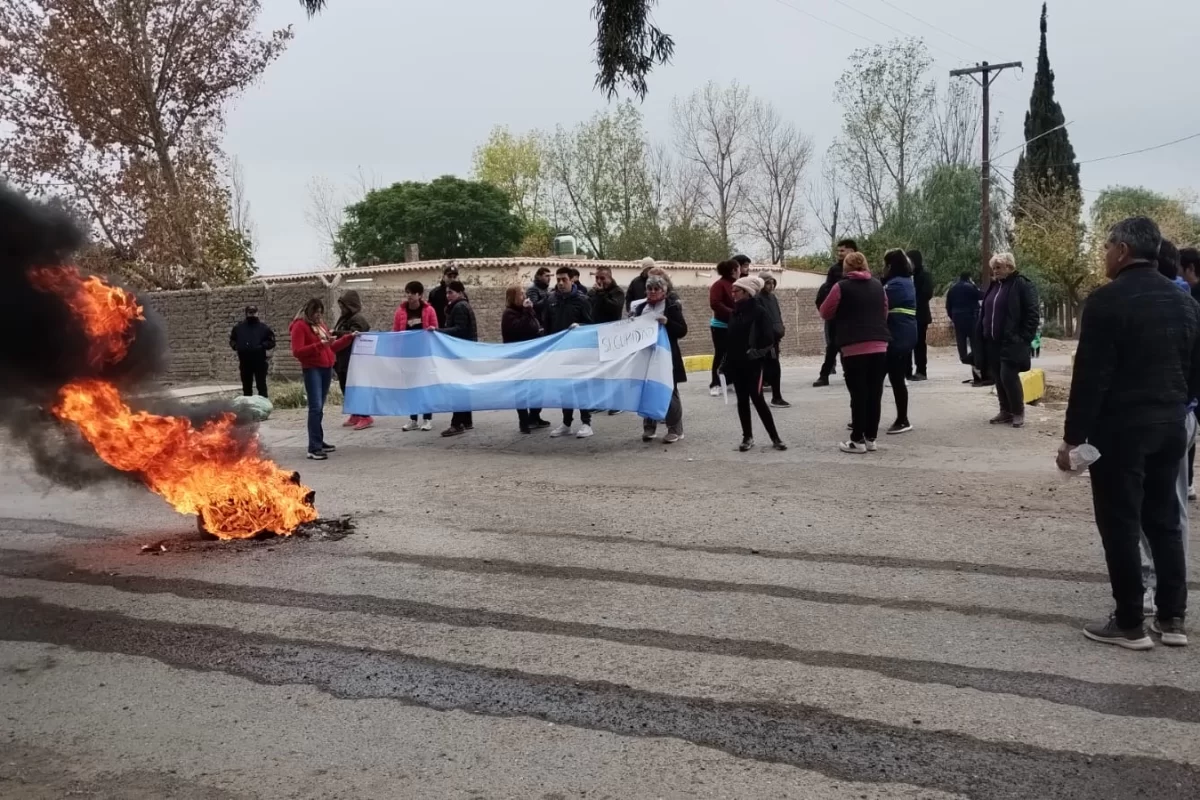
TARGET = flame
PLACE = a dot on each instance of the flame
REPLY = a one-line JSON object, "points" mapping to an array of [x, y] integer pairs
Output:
{"points": [[107, 312], [209, 471]]}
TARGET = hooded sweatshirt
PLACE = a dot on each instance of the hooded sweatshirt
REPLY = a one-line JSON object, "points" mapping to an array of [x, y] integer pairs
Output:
{"points": [[351, 320], [861, 321]]}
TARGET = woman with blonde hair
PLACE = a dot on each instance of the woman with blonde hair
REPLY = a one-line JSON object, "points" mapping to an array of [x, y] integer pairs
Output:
{"points": [[315, 348], [1007, 326]]}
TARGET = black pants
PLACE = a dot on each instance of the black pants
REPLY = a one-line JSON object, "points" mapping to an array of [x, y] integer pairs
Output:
{"points": [[462, 418], [831, 352], [719, 336], [748, 384], [1134, 492], [1007, 376], [773, 372], [962, 337], [254, 371], [864, 379], [897, 365], [528, 417], [569, 416], [413, 417], [920, 353]]}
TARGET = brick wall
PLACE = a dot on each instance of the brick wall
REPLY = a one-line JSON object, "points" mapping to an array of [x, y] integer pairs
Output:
{"points": [[198, 322]]}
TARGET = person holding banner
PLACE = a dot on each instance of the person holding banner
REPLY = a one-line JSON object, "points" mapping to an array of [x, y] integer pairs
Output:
{"points": [[669, 311], [751, 341], [460, 323], [350, 320], [519, 323], [415, 315], [567, 309]]}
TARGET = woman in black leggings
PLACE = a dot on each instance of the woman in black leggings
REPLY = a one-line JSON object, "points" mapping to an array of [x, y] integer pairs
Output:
{"points": [[720, 299], [751, 341], [901, 293]]}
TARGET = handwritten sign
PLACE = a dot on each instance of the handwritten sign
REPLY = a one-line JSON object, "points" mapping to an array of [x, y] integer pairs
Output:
{"points": [[619, 339], [364, 345]]}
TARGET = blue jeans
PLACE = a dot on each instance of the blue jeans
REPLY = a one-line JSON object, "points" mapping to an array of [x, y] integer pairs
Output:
{"points": [[316, 388]]}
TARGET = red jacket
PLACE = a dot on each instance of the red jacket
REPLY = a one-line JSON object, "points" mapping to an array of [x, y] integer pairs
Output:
{"points": [[429, 320], [720, 299], [312, 350]]}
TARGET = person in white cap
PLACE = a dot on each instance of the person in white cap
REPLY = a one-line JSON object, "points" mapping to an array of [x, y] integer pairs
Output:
{"points": [[751, 342], [637, 286]]}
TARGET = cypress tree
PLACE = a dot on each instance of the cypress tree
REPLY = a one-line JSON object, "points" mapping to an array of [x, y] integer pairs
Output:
{"points": [[1048, 166]]}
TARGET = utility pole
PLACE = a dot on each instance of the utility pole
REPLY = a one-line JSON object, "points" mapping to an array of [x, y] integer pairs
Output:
{"points": [[988, 73]]}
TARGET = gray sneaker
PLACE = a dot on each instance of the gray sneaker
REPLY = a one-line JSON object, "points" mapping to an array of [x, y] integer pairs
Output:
{"points": [[1018, 421], [1110, 633], [1171, 630], [672, 438], [1003, 418]]}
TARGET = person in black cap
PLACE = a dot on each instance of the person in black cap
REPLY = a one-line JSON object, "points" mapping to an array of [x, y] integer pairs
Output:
{"points": [[438, 299], [251, 339]]}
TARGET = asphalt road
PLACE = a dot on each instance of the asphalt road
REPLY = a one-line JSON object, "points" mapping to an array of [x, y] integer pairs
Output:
{"points": [[521, 617]]}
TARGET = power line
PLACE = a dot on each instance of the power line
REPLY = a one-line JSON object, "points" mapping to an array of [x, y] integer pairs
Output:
{"points": [[1123, 155], [936, 28], [825, 21]]}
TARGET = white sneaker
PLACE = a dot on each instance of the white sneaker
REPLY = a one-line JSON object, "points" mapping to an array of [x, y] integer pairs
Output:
{"points": [[584, 432], [714, 391], [561, 430], [428, 426], [1191, 491], [852, 447], [411, 425], [871, 446]]}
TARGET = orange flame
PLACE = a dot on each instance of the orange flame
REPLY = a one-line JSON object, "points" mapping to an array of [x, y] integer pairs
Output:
{"points": [[107, 312], [207, 470]]}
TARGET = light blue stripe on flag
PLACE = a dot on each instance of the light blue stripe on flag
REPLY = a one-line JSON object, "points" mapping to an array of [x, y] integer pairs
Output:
{"points": [[419, 372]]}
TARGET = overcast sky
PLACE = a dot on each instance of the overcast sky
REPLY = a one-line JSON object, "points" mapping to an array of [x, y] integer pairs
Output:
{"points": [[406, 90]]}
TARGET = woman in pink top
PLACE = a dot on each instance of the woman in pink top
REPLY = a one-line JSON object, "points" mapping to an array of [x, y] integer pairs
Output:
{"points": [[858, 306]]}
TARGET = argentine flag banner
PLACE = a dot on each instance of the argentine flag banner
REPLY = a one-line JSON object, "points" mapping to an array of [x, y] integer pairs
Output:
{"points": [[618, 366]]}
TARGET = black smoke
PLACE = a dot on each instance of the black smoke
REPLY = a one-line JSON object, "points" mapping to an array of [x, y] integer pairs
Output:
{"points": [[43, 347]]}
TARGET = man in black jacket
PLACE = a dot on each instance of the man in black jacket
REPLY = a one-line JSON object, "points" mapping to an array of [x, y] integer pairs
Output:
{"points": [[606, 298], [637, 286], [438, 298], [962, 307], [923, 282], [1136, 369], [460, 323], [539, 291], [252, 339], [1189, 269], [844, 248], [568, 309]]}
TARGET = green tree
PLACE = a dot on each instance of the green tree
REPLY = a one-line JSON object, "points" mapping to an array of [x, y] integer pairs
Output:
{"points": [[628, 44], [513, 164], [448, 218], [1048, 166], [1048, 243]]}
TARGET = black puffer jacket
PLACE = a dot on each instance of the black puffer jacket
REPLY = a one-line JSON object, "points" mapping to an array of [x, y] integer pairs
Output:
{"points": [[677, 328], [252, 338], [608, 305], [750, 337], [832, 277], [565, 310], [771, 303], [1021, 320], [460, 321]]}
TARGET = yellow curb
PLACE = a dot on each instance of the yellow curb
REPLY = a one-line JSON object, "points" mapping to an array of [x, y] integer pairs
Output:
{"points": [[697, 363], [1033, 383]]}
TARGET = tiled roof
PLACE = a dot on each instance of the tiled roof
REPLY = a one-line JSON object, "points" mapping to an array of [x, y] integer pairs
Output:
{"points": [[485, 263]]}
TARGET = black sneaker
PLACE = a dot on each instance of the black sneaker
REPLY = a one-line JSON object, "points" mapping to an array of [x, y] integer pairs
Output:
{"points": [[779, 402], [540, 423], [821, 382], [614, 413], [525, 429], [746, 445], [318, 456], [1171, 630], [779, 445], [328, 448], [898, 428], [454, 430], [648, 435], [919, 376], [1110, 633]]}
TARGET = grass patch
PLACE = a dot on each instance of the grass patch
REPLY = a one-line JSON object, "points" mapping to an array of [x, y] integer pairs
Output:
{"points": [[291, 395]]}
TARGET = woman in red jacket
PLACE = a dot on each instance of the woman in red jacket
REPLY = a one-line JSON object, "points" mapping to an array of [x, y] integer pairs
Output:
{"points": [[314, 347], [720, 299]]}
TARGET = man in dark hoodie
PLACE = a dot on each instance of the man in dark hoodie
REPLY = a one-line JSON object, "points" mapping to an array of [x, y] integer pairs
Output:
{"points": [[606, 298], [350, 319], [772, 371], [962, 307], [923, 282], [844, 248], [460, 323], [437, 297], [637, 286], [538, 292], [252, 339], [568, 309]]}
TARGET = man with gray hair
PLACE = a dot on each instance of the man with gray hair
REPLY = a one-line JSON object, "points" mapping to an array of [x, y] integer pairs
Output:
{"points": [[1136, 369]]}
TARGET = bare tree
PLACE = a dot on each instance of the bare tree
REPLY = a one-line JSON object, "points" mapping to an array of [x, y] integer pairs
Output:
{"points": [[885, 143], [239, 204], [825, 200], [781, 154], [324, 213], [712, 131], [956, 117]]}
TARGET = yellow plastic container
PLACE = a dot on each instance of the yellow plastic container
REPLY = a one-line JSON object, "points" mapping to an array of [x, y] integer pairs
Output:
{"points": [[697, 363], [1034, 385]]}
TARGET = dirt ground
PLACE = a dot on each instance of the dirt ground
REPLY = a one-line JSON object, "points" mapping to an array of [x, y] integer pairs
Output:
{"points": [[521, 617]]}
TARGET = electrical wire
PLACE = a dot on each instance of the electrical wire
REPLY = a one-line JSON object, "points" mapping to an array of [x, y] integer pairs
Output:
{"points": [[1124, 155], [936, 28]]}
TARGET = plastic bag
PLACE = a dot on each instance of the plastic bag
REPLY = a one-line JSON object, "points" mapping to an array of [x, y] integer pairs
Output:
{"points": [[1081, 458], [255, 408]]}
